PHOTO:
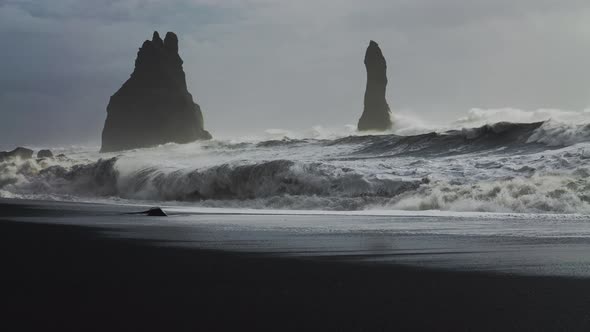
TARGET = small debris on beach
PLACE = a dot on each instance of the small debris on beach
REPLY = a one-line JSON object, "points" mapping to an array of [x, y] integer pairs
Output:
{"points": [[153, 212]]}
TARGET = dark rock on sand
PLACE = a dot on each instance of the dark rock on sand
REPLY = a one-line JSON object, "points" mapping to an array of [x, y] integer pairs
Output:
{"points": [[154, 106], [44, 154], [153, 212], [20, 152], [156, 212], [376, 115]]}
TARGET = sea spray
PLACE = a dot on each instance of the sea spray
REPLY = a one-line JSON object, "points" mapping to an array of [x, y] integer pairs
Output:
{"points": [[537, 167]]}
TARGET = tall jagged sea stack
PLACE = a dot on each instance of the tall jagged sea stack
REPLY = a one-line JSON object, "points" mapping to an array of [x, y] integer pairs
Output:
{"points": [[154, 106], [376, 115]]}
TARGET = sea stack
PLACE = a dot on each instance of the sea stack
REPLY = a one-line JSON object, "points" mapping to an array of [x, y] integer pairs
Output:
{"points": [[376, 115], [154, 106]]}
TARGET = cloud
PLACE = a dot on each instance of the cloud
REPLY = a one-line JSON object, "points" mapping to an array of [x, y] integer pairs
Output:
{"points": [[291, 64]]}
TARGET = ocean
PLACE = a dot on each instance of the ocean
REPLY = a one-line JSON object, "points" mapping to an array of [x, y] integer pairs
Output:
{"points": [[539, 167]]}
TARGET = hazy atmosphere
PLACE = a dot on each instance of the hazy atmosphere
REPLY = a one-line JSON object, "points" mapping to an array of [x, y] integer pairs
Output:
{"points": [[289, 64], [295, 165]]}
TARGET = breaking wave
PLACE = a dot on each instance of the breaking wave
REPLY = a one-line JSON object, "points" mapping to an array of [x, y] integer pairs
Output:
{"points": [[535, 167]]}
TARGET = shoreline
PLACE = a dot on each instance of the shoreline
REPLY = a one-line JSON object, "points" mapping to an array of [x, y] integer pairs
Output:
{"points": [[65, 277], [520, 246]]}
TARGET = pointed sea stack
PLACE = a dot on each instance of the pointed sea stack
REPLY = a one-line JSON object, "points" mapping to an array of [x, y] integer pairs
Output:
{"points": [[154, 106], [376, 115]]}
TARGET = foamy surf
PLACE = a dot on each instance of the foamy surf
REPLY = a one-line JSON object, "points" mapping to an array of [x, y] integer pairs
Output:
{"points": [[536, 167]]}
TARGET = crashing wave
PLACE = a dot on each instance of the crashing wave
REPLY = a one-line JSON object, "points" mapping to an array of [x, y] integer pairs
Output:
{"points": [[502, 167], [261, 180], [536, 194], [41, 177], [553, 133]]}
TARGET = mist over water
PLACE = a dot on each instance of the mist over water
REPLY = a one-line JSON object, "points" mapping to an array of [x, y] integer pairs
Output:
{"points": [[490, 160]]}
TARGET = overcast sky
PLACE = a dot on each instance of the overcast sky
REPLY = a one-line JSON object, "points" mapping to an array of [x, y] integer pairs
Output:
{"points": [[258, 64]]}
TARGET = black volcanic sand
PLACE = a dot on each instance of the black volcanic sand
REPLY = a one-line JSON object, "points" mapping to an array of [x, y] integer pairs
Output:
{"points": [[60, 278]]}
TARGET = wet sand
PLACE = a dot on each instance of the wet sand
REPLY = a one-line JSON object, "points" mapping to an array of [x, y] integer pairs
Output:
{"points": [[66, 277]]}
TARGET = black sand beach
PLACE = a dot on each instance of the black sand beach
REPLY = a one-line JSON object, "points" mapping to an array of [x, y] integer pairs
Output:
{"points": [[63, 277]]}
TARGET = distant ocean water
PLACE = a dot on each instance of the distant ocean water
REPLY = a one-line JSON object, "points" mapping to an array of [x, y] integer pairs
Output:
{"points": [[490, 161]]}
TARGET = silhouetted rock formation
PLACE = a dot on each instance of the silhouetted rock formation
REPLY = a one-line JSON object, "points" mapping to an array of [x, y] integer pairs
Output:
{"points": [[376, 115], [154, 106], [22, 153], [44, 154]]}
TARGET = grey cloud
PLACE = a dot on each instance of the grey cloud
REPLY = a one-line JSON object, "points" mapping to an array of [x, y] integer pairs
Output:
{"points": [[291, 64], [105, 11]]}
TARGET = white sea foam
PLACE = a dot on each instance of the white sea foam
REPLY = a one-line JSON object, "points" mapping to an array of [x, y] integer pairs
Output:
{"points": [[496, 168], [477, 117]]}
